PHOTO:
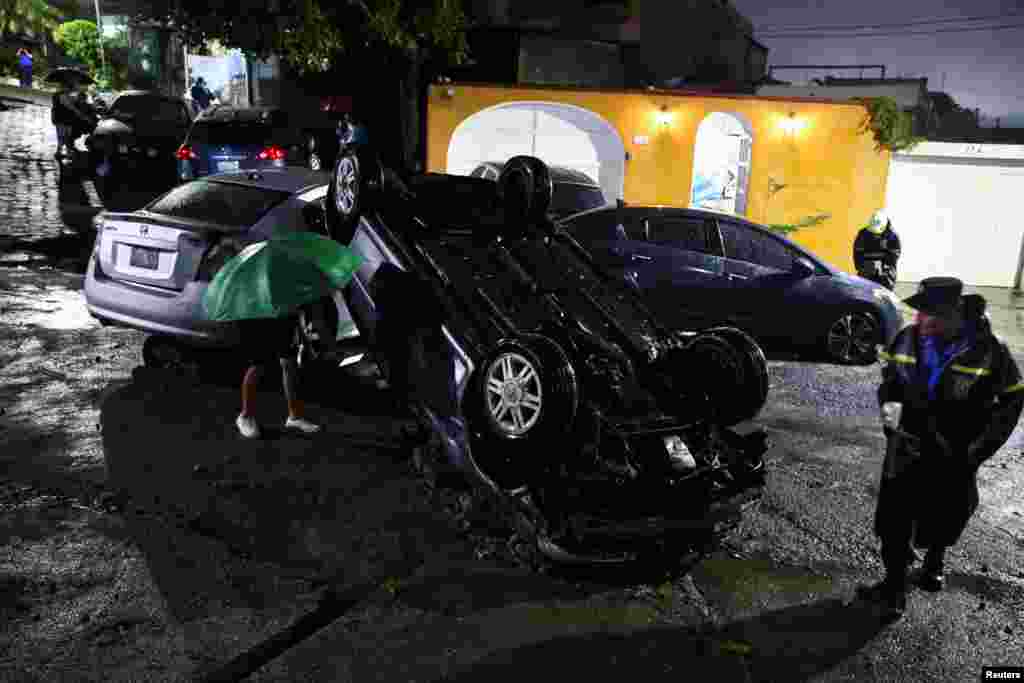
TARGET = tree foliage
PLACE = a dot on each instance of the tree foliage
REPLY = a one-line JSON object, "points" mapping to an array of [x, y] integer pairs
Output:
{"points": [[29, 16], [313, 34], [80, 40], [893, 128]]}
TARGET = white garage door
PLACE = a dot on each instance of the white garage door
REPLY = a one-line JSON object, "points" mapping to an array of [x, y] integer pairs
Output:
{"points": [[559, 134], [952, 219]]}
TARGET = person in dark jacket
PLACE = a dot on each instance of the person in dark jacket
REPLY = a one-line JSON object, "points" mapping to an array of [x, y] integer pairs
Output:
{"points": [[951, 395], [877, 242], [201, 95], [69, 118]]}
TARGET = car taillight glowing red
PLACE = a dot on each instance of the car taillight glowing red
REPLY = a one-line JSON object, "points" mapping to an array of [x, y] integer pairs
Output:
{"points": [[185, 153], [274, 153]]}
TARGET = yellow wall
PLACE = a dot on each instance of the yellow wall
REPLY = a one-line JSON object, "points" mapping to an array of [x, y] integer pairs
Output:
{"points": [[827, 167]]}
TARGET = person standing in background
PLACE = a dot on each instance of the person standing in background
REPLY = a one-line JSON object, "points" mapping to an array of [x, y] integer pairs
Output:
{"points": [[25, 67]]}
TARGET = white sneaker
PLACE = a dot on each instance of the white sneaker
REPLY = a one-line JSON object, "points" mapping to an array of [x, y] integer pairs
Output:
{"points": [[302, 424], [248, 426]]}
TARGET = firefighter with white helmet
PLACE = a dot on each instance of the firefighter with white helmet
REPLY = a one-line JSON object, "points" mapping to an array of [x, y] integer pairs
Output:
{"points": [[876, 250]]}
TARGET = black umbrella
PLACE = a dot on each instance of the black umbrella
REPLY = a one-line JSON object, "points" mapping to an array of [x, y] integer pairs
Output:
{"points": [[69, 75]]}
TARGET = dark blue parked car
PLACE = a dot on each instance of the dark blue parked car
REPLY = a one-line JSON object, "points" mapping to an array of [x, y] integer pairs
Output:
{"points": [[701, 268], [229, 139]]}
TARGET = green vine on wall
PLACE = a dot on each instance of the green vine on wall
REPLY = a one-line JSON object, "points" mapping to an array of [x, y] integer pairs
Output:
{"points": [[809, 222], [893, 128]]}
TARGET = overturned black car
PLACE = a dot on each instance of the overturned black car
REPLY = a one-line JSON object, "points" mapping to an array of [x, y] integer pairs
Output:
{"points": [[547, 384]]}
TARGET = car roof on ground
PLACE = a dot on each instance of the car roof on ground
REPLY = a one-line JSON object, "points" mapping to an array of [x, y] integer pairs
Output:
{"points": [[291, 180]]}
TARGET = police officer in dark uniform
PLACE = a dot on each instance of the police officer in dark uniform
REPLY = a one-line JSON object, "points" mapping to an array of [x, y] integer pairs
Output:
{"points": [[951, 395], [876, 251]]}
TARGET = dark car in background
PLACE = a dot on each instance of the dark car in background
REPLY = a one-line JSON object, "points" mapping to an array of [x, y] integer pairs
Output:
{"points": [[138, 137], [228, 139], [574, 191], [700, 268], [547, 383]]}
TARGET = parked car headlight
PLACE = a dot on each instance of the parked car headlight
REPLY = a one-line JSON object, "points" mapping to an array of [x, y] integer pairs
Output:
{"points": [[216, 256]]}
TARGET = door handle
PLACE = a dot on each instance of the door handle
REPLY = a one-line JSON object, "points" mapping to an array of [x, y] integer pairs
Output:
{"points": [[640, 257], [733, 276]]}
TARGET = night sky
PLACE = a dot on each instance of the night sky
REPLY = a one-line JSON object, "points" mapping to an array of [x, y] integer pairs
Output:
{"points": [[982, 68]]}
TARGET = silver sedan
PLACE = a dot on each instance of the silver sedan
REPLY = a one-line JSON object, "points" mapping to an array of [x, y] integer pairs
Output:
{"points": [[150, 267]]}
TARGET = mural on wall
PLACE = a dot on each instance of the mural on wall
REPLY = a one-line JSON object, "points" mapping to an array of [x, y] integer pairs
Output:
{"points": [[721, 164]]}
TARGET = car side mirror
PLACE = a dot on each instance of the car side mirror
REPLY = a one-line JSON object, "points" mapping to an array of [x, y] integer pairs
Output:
{"points": [[802, 268]]}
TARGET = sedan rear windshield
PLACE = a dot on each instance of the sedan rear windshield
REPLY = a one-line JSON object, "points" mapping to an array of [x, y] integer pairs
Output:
{"points": [[231, 133], [218, 202], [147, 107]]}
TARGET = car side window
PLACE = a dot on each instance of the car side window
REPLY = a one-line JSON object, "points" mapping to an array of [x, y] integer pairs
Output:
{"points": [[682, 232], [752, 246], [737, 242], [602, 226]]}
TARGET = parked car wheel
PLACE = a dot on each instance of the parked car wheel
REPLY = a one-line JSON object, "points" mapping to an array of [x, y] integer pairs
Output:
{"points": [[755, 369], [355, 183], [526, 389], [525, 189], [851, 339]]}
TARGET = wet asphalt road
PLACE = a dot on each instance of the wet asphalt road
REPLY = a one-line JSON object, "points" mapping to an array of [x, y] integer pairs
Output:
{"points": [[796, 562]]}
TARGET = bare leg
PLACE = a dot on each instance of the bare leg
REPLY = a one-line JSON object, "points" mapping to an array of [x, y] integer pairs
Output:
{"points": [[290, 377], [249, 383]]}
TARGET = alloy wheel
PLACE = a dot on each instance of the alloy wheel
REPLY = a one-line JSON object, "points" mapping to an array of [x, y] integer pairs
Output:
{"points": [[514, 396], [852, 338], [346, 180]]}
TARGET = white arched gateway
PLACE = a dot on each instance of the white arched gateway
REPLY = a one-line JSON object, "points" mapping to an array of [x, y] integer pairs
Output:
{"points": [[721, 163], [558, 134]]}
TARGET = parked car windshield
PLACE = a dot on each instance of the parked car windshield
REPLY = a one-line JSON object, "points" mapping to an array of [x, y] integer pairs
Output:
{"points": [[218, 202], [147, 107], [570, 198]]}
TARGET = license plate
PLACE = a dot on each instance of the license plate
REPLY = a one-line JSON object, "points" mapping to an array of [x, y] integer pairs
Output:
{"points": [[227, 165], [145, 258]]}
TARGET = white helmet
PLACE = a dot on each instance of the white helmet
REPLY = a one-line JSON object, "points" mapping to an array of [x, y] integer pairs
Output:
{"points": [[879, 221]]}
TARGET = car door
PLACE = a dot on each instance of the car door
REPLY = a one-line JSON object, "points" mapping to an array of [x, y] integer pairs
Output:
{"points": [[613, 238], [682, 256], [767, 298]]}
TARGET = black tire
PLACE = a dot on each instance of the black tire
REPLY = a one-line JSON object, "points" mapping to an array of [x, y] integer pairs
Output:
{"points": [[712, 367], [355, 184], [755, 370], [852, 338], [525, 189], [525, 392]]}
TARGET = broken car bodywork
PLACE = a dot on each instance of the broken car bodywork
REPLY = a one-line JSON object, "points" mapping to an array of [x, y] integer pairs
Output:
{"points": [[548, 383]]}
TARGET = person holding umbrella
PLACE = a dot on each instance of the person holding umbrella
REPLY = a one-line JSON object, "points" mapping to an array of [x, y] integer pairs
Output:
{"points": [[66, 111], [263, 288], [951, 395]]}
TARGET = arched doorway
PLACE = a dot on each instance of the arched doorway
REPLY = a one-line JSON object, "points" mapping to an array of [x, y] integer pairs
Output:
{"points": [[721, 163], [559, 134]]}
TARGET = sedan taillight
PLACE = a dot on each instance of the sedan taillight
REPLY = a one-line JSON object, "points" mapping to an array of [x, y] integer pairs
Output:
{"points": [[215, 257], [273, 152], [185, 153]]}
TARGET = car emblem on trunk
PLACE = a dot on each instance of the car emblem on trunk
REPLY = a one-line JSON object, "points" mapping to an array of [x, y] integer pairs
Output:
{"points": [[143, 230]]}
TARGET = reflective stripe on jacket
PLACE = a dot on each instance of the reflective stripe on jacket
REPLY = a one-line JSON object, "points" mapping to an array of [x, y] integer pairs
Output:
{"points": [[977, 399]]}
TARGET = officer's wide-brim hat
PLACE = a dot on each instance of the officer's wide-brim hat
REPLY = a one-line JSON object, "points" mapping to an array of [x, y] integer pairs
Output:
{"points": [[937, 296]]}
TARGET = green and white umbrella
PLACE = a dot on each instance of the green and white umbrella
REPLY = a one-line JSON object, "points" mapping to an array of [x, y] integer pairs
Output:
{"points": [[275, 278]]}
